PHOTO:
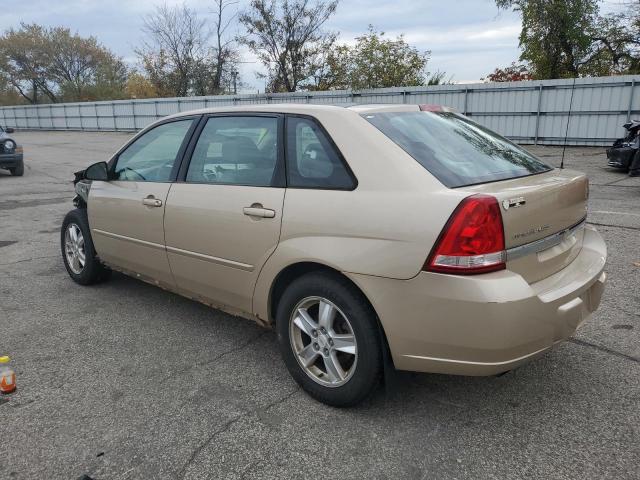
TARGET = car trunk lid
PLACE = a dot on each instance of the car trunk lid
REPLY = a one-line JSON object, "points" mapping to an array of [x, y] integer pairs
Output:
{"points": [[542, 216]]}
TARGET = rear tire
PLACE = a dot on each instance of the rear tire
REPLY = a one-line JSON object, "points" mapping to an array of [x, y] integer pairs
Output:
{"points": [[78, 253], [17, 171], [329, 339], [634, 165]]}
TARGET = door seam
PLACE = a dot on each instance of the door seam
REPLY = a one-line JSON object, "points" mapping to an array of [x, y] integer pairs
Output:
{"points": [[255, 284], [164, 235]]}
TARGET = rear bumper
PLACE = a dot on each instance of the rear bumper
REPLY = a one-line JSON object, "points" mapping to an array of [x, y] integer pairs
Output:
{"points": [[620, 157], [485, 324], [10, 160]]}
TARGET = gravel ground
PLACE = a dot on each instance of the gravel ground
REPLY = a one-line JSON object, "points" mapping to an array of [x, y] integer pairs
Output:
{"points": [[124, 380]]}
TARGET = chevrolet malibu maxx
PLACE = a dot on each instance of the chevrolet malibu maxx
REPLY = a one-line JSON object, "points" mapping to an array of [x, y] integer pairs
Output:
{"points": [[406, 236]]}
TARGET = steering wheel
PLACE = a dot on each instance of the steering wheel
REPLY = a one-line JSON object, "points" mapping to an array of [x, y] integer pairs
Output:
{"points": [[135, 172], [209, 176]]}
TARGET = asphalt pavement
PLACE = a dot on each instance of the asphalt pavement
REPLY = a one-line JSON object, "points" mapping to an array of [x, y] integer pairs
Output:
{"points": [[126, 381]]}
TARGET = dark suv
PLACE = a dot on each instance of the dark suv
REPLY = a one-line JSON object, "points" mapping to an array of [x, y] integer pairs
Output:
{"points": [[10, 153]]}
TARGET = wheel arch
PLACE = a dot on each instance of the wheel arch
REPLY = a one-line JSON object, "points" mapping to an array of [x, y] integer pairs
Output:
{"points": [[296, 270]]}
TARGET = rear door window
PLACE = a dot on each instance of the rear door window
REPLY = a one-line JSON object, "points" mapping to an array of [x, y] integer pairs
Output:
{"points": [[457, 151]]}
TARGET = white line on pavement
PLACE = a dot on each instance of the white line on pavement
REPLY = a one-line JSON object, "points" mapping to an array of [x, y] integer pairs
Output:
{"points": [[616, 213]]}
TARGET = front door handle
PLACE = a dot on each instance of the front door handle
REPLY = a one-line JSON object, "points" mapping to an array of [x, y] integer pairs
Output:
{"points": [[151, 201], [257, 210]]}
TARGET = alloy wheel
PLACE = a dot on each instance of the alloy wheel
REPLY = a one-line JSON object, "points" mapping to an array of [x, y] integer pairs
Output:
{"points": [[323, 341], [74, 248]]}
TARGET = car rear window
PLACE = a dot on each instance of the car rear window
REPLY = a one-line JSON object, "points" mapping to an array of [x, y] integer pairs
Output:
{"points": [[457, 151]]}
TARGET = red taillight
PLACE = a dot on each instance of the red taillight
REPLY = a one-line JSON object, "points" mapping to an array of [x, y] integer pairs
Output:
{"points": [[472, 241]]}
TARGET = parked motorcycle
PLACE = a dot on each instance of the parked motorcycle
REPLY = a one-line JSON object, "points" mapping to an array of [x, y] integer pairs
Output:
{"points": [[625, 152]]}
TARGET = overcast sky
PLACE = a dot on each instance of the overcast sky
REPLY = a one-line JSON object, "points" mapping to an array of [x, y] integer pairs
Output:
{"points": [[467, 38]]}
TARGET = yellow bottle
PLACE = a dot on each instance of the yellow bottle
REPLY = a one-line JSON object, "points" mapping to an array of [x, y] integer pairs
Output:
{"points": [[7, 376]]}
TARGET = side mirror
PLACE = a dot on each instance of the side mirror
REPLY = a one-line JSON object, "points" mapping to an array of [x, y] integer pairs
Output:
{"points": [[9, 130], [97, 171]]}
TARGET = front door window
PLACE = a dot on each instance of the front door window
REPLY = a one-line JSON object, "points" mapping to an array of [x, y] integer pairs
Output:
{"points": [[152, 156]]}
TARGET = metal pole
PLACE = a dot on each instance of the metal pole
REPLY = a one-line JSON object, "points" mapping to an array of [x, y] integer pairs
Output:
{"points": [[155, 108], [4, 118], [113, 114], [95, 109], [80, 115], [466, 95], [633, 84], [234, 74], [133, 111], [38, 117], [566, 133], [535, 141], [66, 121], [51, 116]]}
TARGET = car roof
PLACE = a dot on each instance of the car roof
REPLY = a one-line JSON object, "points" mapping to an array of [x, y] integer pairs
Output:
{"points": [[301, 108]]}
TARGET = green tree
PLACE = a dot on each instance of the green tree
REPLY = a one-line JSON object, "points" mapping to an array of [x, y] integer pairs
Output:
{"points": [[555, 37], [82, 68], [439, 78], [375, 62], [52, 64], [8, 94], [139, 86], [378, 62], [334, 65], [288, 39], [569, 38], [23, 61], [616, 41]]}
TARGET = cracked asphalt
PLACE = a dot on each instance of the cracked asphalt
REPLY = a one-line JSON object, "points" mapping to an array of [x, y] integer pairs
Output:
{"points": [[126, 381]]}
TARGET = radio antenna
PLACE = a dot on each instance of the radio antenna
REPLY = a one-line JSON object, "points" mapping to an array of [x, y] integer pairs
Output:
{"points": [[566, 133]]}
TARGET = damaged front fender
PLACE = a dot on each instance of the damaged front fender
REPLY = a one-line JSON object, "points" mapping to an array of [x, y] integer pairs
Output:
{"points": [[82, 187]]}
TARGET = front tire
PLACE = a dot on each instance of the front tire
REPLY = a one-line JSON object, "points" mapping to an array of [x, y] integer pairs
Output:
{"points": [[17, 171], [78, 253], [329, 339]]}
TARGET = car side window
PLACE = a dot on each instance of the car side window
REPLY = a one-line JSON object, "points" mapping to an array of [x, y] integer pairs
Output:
{"points": [[312, 160], [240, 150], [151, 157]]}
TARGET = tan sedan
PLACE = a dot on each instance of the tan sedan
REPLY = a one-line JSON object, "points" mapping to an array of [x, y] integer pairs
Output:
{"points": [[366, 235]]}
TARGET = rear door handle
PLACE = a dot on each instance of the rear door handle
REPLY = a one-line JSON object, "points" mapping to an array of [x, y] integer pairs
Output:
{"points": [[257, 210], [151, 201]]}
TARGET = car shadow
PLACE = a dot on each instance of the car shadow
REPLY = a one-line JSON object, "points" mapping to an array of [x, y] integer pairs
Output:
{"points": [[399, 391]]}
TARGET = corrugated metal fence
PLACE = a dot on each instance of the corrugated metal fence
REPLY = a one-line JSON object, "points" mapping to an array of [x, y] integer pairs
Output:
{"points": [[526, 112]]}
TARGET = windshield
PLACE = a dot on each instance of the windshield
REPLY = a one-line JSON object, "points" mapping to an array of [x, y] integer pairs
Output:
{"points": [[457, 151]]}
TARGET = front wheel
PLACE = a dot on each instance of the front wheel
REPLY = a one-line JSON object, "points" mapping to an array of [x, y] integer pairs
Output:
{"points": [[18, 170], [78, 253], [329, 339]]}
